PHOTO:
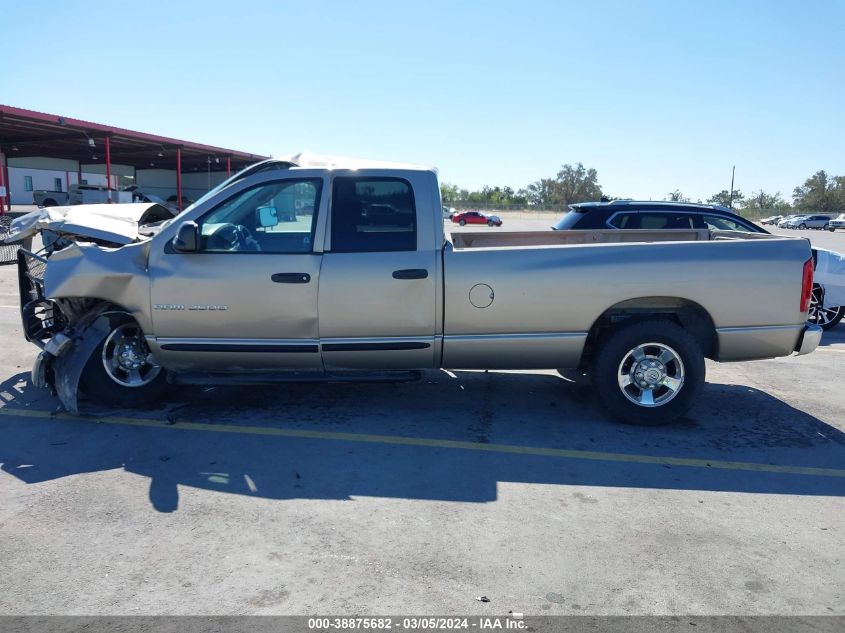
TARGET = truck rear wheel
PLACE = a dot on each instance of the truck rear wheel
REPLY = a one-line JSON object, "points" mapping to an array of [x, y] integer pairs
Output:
{"points": [[122, 372], [648, 373]]}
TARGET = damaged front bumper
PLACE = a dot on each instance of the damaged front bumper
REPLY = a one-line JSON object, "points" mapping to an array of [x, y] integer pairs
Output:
{"points": [[59, 366], [65, 350]]}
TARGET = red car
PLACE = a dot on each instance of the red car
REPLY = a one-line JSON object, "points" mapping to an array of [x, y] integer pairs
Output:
{"points": [[476, 217]]}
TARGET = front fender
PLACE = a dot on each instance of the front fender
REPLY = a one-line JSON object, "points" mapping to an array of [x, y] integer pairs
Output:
{"points": [[68, 368]]}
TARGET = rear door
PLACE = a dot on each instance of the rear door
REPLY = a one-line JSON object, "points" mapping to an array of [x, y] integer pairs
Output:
{"points": [[377, 281]]}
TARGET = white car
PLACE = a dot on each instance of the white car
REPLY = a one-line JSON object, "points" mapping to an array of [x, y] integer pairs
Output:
{"points": [[827, 304], [771, 220], [809, 222], [837, 223], [786, 220]]}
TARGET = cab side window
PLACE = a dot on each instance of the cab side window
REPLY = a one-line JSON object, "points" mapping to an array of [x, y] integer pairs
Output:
{"points": [[372, 214]]}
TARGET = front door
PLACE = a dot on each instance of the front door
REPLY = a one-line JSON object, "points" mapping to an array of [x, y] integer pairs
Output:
{"points": [[247, 300], [377, 282]]}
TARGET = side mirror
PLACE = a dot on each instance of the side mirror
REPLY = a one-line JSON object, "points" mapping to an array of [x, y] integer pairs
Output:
{"points": [[187, 238], [267, 216]]}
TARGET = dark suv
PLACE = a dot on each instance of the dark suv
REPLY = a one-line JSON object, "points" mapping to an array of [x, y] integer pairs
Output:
{"points": [[628, 214]]}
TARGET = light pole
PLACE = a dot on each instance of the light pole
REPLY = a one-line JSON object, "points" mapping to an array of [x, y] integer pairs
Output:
{"points": [[731, 194]]}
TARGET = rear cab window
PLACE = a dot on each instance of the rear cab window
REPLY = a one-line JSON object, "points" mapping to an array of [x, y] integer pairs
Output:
{"points": [[372, 214]]}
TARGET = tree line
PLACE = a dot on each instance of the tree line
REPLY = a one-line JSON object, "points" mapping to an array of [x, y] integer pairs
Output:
{"points": [[820, 193]]}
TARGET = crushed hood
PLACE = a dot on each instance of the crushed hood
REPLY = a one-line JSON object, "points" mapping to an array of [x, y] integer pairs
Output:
{"points": [[118, 223]]}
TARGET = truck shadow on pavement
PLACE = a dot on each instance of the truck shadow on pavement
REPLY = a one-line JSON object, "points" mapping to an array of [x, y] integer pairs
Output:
{"points": [[833, 336], [497, 413]]}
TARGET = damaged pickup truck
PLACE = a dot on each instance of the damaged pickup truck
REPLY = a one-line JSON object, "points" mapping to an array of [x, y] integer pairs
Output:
{"points": [[318, 269]]}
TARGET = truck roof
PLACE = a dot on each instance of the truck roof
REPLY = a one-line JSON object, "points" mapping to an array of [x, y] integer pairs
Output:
{"points": [[315, 161]]}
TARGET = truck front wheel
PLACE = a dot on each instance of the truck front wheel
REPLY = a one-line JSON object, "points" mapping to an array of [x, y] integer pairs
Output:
{"points": [[122, 372], [648, 372]]}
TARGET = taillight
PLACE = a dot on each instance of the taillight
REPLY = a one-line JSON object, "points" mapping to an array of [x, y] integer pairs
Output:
{"points": [[807, 285]]}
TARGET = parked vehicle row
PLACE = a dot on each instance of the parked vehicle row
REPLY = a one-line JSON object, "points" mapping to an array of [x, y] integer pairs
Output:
{"points": [[821, 222], [78, 194], [95, 194]]}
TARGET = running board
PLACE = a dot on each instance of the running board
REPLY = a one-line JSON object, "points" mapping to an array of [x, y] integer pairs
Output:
{"points": [[199, 378]]}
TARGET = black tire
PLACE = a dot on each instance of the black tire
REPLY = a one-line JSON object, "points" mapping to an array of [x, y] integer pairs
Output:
{"points": [[613, 351], [102, 388], [463, 222], [835, 320], [802, 226], [826, 227], [49, 202], [490, 223]]}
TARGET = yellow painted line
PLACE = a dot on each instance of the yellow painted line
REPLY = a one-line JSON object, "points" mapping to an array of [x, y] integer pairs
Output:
{"points": [[400, 440]]}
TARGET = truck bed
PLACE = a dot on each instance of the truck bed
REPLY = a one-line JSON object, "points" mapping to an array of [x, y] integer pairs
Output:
{"points": [[526, 299]]}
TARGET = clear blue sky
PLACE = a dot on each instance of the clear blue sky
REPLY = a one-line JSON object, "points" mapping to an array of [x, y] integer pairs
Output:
{"points": [[654, 95]]}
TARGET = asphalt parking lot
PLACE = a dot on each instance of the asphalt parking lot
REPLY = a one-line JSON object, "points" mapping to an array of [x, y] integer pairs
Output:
{"points": [[421, 497]]}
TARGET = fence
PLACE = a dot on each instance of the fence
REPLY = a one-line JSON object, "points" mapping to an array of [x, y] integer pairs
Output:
{"points": [[8, 252]]}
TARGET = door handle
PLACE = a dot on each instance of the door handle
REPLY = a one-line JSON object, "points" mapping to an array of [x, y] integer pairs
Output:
{"points": [[410, 273], [291, 278]]}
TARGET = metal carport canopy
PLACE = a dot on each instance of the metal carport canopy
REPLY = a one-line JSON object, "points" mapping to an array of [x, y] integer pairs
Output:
{"points": [[27, 133]]}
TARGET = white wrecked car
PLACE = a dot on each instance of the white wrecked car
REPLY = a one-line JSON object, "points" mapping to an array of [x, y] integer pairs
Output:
{"points": [[827, 306]]}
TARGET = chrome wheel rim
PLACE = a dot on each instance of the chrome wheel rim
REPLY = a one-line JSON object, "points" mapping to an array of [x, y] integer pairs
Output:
{"points": [[651, 374], [818, 314], [127, 359]]}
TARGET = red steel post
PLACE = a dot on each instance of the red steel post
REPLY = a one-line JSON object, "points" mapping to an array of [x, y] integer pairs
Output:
{"points": [[179, 177], [108, 167], [3, 182]]}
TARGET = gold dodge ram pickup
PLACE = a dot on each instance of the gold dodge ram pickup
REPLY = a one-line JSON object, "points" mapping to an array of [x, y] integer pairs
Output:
{"points": [[295, 270]]}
